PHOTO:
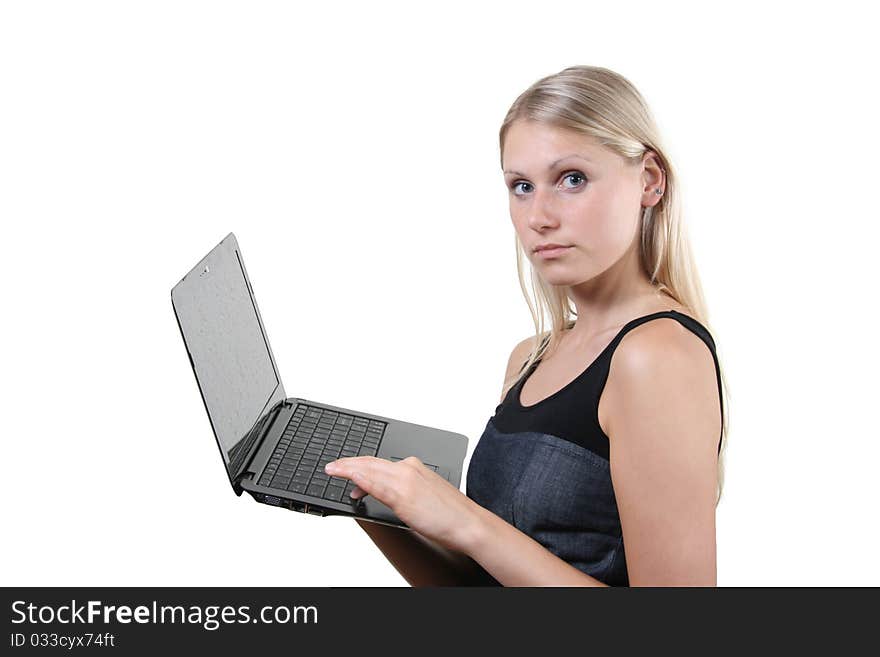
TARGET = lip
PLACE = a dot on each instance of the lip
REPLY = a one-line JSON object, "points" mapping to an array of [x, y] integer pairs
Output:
{"points": [[554, 252]]}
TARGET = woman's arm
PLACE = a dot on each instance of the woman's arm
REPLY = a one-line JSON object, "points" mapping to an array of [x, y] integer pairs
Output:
{"points": [[423, 562], [514, 558]]}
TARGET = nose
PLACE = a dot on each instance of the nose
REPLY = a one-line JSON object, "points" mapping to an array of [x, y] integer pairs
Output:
{"points": [[541, 211]]}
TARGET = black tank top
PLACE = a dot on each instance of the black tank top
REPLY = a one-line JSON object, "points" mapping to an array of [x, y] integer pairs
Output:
{"points": [[544, 468], [573, 412]]}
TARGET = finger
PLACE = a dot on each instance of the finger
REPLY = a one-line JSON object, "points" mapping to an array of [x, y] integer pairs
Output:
{"points": [[344, 466], [370, 466], [383, 479], [382, 484]]}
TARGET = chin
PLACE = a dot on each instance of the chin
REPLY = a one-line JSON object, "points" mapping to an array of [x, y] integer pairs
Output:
{"points": [[560, 278]]}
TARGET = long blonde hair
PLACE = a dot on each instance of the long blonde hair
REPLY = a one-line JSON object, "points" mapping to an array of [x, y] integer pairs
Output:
{"points": [[602, 104]]}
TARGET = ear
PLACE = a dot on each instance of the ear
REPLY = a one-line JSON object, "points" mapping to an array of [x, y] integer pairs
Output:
{"points": [[653, 179]]}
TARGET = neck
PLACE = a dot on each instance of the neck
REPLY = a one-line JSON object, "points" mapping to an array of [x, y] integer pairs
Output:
{"points": [[615, 297]]}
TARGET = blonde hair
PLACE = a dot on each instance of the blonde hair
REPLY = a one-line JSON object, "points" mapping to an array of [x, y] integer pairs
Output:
{"points": [[599, 103]]}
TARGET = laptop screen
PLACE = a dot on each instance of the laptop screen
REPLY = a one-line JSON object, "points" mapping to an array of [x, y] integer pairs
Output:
{"points": [[227, 343]]}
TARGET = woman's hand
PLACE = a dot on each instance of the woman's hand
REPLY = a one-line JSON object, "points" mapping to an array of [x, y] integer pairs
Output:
{"points": [[419, 496]]}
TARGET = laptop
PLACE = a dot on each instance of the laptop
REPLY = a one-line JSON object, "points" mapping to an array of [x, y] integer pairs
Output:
{"points": [[275, 447]]}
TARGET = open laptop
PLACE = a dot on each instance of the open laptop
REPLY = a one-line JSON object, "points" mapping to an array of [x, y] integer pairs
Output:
{"points": [[275, 447]]}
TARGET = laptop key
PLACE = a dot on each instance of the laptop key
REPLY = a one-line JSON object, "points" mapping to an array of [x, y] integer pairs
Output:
{"points": [[334, 493], [316, 490]]}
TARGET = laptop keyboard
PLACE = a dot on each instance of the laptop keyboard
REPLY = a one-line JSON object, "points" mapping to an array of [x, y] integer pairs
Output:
{"points": [[314, 437]]}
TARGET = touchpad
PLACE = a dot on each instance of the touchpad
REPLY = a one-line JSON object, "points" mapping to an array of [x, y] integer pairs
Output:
{"points": [[400, 458]]}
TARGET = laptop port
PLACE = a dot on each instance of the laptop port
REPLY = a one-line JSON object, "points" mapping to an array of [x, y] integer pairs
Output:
{"points": [[271, 499]]}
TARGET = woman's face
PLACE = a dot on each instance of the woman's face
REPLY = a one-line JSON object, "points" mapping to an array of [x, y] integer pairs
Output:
{"points": [[565, 188]]}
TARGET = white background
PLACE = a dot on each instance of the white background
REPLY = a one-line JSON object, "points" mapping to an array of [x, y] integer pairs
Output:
{"points": [[354, 152]]}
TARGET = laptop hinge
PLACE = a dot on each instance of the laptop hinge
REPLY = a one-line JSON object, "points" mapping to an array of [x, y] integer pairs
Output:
{"points": [[252, 442]]}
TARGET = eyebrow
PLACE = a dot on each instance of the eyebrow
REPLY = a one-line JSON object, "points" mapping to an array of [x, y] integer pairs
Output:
{"points": [[553, 164]]}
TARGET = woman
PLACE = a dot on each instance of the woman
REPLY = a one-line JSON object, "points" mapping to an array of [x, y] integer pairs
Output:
{"points": [[610, 426]]}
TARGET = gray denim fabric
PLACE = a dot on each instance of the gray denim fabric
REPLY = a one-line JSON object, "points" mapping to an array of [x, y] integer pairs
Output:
{"points": [[557, 492]]}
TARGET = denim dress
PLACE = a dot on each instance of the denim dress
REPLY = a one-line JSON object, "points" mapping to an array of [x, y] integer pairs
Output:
{"points": [[545, 468]]}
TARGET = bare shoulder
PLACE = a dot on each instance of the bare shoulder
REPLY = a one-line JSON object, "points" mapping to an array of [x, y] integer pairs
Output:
{"points": [[661, 340], [518, 356], [663, 428], [662, 356]]}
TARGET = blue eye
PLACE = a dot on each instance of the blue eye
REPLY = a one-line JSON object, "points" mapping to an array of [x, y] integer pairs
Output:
{"points": [[566, 176], [574, 174]]}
